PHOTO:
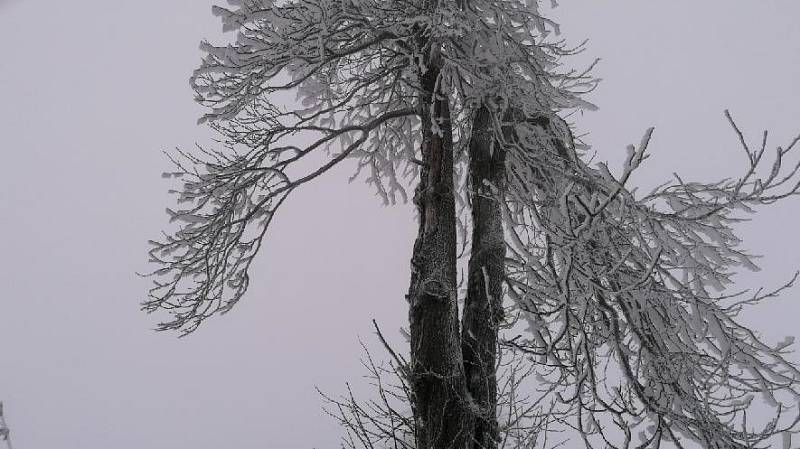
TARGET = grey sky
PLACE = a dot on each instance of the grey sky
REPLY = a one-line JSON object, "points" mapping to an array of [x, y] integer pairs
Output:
{"points": [[91, 91]]}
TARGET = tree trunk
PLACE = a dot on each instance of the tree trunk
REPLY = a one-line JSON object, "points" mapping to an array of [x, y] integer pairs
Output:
{"points": [[483, 309], [441, 404]]}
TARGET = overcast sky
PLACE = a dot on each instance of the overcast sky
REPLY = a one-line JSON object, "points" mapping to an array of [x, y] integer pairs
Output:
{"points": [[92, 91]]}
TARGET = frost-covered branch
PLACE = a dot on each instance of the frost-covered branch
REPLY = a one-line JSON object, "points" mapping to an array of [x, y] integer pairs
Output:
{"points": [[617, 294], [231, 198]]}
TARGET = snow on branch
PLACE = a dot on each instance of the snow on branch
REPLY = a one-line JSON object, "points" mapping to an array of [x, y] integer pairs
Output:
{"points": [[231, 198], [617, 293], [354, 67]]}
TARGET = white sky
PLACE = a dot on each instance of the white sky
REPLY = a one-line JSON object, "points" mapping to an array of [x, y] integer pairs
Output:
{"points": [[91, 91]]}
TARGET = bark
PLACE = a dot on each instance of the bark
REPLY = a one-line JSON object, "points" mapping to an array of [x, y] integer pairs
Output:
{"points": [[483, 309], [441, 404]]}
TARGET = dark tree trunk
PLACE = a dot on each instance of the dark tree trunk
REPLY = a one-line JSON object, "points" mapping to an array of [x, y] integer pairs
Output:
{"points": [[442, 411], [483, 309]]}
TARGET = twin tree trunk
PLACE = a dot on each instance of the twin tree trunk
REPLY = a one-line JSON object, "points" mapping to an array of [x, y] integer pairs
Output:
{"points": [[453, 378]]}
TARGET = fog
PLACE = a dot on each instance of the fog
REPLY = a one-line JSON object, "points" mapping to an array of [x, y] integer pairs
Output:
{"points": [[93, 91]]}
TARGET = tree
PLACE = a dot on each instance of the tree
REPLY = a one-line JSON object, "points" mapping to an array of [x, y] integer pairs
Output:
{"points": [[5, 433], [445, 92]]}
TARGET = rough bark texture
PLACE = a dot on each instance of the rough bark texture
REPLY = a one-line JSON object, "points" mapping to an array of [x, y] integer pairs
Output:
{"points": [[483, 305], [442, 411]]}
